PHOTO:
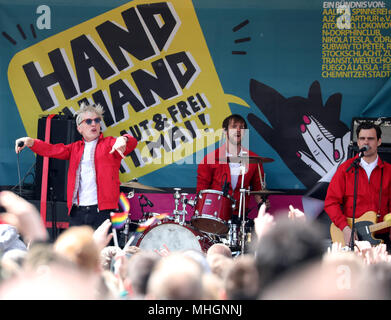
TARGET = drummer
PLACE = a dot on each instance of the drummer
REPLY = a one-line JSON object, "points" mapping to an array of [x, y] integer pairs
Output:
{"points": [[214, 170]]}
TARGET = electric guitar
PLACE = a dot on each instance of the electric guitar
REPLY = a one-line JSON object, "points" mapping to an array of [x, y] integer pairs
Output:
{"points": [[365, 227]]}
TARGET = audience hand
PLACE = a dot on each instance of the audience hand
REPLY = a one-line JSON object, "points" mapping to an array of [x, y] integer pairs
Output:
{"points": [[23, 216], [296, 214], [101, 234], [264, 222]]}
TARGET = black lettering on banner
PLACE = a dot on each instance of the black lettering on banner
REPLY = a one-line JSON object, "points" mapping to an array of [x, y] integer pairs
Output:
{"points": [[144, 125], [121, 95], [158, 144], [182, 107], [176, 134], [162, 84], [159, 121], [136, 133], [172, 110], [193, 104], [99, 98], [181, 58], [189, 127], [41, 84], [203, 104], [87, 56], [160, 34], [134, 42]]}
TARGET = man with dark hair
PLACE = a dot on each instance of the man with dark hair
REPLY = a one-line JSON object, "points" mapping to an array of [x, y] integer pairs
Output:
{"points": [[373, 185], [287, 247], [214, 169]]}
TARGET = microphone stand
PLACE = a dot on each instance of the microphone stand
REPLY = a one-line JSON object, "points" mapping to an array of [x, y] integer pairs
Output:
{"points": [[242, 206], [355, 165]]}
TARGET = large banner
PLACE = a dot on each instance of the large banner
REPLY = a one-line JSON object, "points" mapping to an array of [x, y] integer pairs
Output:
{"points": [[169, 72]]}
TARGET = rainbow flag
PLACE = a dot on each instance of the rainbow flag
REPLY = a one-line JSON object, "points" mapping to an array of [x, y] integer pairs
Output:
{"points": [[118, 219], [143, 226], [124, 203]]}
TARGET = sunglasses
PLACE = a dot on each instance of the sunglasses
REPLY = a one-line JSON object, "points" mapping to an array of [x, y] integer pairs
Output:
{"points": [[89, 121]]}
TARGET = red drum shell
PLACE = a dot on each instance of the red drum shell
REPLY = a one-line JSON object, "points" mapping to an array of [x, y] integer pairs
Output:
{"points": [[212, 211]]}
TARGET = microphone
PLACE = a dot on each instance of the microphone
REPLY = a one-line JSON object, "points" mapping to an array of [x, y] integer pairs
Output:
{"points": [[357, 160], [149, 203], [363, 149]]}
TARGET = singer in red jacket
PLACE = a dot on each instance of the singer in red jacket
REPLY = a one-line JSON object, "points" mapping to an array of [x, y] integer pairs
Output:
{"points": [[93, 175], [373, 189], [214, 169]]}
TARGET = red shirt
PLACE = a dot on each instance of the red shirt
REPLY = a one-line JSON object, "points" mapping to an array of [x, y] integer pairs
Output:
{"points": [[339, 198], [212, 172], [106, 166]]}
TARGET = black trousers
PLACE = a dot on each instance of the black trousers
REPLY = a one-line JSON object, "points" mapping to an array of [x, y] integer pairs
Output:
{"points": [[88, 215]]}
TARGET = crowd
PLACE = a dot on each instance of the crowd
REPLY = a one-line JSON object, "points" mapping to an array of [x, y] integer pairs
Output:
{"points": [[288, 259]]}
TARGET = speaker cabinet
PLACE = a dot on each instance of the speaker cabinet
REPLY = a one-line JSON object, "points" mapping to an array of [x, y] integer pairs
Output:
{"points": [[62, 130]]}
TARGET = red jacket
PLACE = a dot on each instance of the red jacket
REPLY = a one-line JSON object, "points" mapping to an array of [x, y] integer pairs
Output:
{"points": [[339, 198], [106, 166], [211, 174]]}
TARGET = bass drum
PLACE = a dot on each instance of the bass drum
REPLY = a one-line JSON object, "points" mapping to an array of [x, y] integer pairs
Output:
{"points": [[174, 237]]}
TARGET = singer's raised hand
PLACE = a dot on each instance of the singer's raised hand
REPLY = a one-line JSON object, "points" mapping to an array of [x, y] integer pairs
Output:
{"points": [[21, 143]]}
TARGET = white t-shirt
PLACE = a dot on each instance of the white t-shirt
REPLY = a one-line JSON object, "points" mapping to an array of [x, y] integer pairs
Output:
{"points": [[235, 170], [368, 167], [87, 185]]}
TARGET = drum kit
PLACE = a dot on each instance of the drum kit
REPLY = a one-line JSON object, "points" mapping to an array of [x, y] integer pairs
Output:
{"points": [[212, 221]]}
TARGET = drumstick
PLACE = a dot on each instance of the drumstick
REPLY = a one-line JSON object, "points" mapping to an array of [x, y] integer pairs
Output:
{"points": [[263, 183]]}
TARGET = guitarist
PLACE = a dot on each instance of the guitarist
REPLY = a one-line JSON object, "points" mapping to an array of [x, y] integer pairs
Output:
{"points": [[373, 188]]}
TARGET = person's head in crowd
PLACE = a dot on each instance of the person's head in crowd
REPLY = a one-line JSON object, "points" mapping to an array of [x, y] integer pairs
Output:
{"points": [[219, 264], [221, 249], [213, 287], [199, 257], [41, 256], [286, 247], [175, 277], [77, 244], [344, 277], [12, 263], [381, 275], [58, 282], [241, 279], [139, 269]]}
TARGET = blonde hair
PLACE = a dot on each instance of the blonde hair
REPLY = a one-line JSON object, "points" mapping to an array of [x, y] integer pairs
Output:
{"points": [[95, 108], [78, 246]]}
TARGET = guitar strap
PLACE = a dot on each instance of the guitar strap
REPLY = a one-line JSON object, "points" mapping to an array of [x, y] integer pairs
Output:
{"points": [[381, 187]]}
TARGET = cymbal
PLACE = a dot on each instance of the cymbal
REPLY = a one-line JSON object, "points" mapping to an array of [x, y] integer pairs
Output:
{"points": [[248, 159], [265, 192], [138, 185]]}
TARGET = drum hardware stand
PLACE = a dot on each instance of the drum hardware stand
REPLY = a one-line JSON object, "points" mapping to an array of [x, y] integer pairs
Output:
{"points": [[128, 221], [177, 197], [242, 207], [180, 216], [232, 235]]}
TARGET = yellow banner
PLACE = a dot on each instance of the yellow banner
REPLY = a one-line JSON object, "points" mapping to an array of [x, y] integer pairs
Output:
{"points": [[148, 65]]}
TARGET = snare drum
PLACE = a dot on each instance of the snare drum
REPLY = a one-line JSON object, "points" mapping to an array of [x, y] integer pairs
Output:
{"points": [[212, 211], [175, 237]]}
